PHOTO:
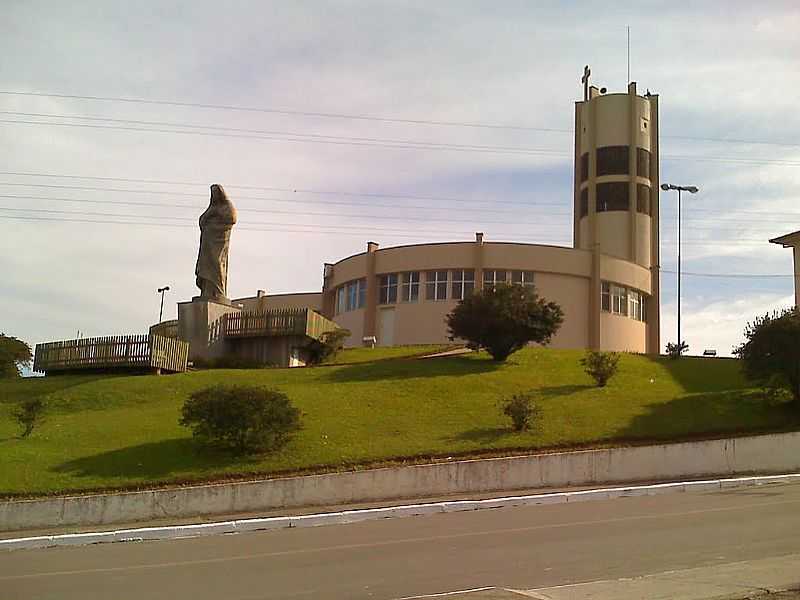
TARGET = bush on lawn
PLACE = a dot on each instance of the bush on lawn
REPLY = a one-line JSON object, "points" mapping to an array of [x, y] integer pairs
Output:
{"points": [[675, 351], [600, 366], [771, 353], [503, 319], [29, 414], [244, 419], [522, 410], [327, 346], [14, 354]]}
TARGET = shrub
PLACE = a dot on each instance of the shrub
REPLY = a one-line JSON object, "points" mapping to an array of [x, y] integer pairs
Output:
{"points": [[675, 351], [503, 319], [29, 414], [771, 353], [522, 410], [244, 419], [327, 346], [600, 366]]}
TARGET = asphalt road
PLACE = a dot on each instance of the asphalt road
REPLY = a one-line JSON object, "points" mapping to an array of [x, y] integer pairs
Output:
{"points": [[525, 547]]}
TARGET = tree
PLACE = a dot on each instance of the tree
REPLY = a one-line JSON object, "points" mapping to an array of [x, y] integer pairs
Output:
{"points": [[14, 354], [771, 353], [675, 351], [503, 319], [244, 419], [29, 414], [327, 346]]}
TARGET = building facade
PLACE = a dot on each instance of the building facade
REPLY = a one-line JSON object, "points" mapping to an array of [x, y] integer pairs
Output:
{"points": [[607, 283]]}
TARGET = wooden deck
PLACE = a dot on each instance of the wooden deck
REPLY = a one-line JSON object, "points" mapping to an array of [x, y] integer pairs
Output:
{"points": [[134, 352], [291, 321]]}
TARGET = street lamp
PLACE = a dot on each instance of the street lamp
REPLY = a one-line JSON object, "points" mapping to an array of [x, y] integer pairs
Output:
{"points": [[692, 190], [161, 291]]}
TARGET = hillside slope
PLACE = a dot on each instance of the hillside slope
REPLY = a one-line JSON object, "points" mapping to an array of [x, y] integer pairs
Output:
{"points": [[123, 432]]}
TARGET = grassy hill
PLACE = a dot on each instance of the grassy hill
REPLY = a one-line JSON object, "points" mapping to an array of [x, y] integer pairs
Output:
{"points": [[123, 432]]}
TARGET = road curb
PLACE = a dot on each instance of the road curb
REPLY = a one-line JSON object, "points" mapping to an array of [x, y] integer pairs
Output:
{"points": [[369, 514]]}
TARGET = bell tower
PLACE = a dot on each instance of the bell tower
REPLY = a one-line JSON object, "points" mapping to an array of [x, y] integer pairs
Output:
{"points": [[616, 211]]}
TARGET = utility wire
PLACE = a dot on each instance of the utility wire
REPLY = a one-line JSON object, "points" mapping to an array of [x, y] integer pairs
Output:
{"points": [[363, 117]]}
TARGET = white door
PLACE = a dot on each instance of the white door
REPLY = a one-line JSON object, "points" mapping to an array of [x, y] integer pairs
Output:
{"points": [[386, 327]]}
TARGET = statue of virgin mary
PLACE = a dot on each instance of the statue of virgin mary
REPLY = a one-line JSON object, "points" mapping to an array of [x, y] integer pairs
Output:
{"points": [[215, 236]]}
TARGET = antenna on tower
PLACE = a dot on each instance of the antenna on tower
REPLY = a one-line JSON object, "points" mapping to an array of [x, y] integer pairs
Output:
{"points": [[629, 55]]}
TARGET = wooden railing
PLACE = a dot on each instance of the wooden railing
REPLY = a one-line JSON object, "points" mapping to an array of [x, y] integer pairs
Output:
{"points": [[167, 329], [289, 321], [112, 352]]}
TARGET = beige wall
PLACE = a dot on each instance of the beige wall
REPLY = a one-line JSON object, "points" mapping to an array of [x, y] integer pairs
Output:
{"points": [[312, 300], [534, 257], [622, 334], [572, 294], [354, 321], [625, 273]]}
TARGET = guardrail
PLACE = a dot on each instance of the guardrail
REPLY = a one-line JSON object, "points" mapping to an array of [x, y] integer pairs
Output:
{"points": [[112, 352], [290, 321]]}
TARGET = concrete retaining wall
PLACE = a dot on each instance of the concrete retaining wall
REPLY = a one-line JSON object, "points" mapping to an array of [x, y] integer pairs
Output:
{"points": [[776, 453]]}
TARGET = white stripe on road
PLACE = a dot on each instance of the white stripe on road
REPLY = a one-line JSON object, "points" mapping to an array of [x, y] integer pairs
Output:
{"points": [[354, 516]]}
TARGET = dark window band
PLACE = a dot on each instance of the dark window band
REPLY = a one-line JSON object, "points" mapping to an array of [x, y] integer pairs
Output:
{"points": [[613, 196], [612, 160]]}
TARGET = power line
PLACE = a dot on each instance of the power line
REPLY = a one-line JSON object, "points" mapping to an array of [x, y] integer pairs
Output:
{"points": [[326, 115], [730, 275], [343, 142], [414, 143], [362, 117], [399, 145]]}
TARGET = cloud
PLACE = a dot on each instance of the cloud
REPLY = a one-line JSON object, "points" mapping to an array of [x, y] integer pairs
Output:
{"points": [[519, 63]]}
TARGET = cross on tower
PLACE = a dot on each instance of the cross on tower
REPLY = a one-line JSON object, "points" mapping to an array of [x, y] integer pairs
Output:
{"points": [[585, 81]]}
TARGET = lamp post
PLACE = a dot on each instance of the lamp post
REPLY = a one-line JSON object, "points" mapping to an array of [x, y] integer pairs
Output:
{"points": [[161, 291], [692, 190]]}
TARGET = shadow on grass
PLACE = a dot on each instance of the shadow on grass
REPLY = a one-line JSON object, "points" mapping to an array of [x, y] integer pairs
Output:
{"points": [[14, 390], [481, 435], [558, 391], [152, 460], [405, 369], [712, 413], [696, 374]]}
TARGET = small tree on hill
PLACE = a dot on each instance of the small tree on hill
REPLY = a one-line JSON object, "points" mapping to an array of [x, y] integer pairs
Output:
{"points": [[327, 346], [771, 354], [14, 354], [244, 419], [29, 414], [675, 351], [600, 366], [503, 319]]}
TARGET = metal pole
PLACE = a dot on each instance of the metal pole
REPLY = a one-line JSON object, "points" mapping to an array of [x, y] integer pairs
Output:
{"points": [[161, 311], [679, 266]]}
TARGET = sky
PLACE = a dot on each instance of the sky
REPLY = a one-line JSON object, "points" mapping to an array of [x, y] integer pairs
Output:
{"points": [[334, 123]]}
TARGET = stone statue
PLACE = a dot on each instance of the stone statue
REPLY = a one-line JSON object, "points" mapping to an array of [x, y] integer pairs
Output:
{"points": [[215, 236]]}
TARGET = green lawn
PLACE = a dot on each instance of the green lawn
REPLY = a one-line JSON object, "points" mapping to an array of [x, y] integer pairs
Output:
{"points": [[123, 432]]}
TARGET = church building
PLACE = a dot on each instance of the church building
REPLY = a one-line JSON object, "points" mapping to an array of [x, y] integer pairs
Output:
{"points": [[607, 283]]}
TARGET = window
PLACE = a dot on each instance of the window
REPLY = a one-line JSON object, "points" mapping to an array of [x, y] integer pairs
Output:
{"points": [[642, 163], [341, 300], [605, 296], [619, 300], [409, 290], [612, 160], [493, 277], [612, 196], [623, 301], [642, 199], [584, 202], [351, 295], [522, 277], [362, 293], [584, 166], [388, 289], [463, 284], [436, 285], [634, 305]]}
